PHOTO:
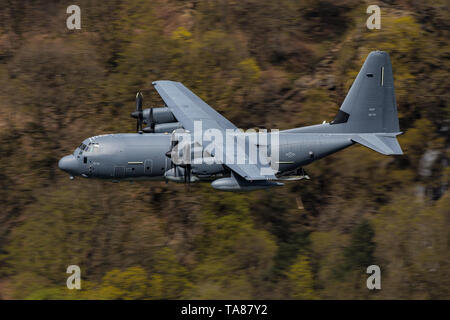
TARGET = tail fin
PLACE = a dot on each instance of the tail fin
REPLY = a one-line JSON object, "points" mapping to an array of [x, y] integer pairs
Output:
{"points": [[368, 114], [370, 109], [370, 104]]}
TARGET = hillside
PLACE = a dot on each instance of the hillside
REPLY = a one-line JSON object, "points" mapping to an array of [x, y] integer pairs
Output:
{"points": [[260, 63]]}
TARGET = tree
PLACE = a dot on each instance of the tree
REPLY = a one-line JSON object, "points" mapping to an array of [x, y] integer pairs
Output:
{"points": [[300, 279]]}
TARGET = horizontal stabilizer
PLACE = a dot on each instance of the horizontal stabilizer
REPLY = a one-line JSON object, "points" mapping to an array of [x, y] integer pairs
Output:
{"points": [[384, 143]]}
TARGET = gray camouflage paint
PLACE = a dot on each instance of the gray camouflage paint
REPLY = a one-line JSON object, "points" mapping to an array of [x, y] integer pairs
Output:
{"points": [[369, 110]]}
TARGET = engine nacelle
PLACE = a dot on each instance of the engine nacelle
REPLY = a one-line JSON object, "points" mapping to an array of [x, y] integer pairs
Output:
{"points": [[179, 175], [160, 115], [167, 127], [234, 183], [207, 169]]}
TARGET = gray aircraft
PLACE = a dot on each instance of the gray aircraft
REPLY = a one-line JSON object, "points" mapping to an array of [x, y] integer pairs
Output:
{"points": [[368, 116]]}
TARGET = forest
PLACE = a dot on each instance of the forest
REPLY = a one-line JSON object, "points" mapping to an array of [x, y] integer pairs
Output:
{"points": [[262, 64]]}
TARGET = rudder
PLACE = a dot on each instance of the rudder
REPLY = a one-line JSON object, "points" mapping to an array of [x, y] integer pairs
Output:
{"points": [[370, 105]]}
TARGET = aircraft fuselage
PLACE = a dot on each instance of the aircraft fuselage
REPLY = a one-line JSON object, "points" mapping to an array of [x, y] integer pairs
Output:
{"points": [[133, 156]]}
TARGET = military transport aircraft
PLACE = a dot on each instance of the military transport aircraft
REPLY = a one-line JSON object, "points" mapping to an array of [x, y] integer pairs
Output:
{"points": [[368, 116]]}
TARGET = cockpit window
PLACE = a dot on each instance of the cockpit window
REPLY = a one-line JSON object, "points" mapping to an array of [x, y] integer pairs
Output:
{"points": [[93, 147], [82, 146]]}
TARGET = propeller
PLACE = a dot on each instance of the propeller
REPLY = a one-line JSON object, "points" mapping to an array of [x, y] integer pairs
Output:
{"points": [[169, 155], [138, 115], [187, 167]]}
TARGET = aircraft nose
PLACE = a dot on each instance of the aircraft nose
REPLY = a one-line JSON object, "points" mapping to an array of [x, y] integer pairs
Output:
{"points": [[68, 164]]}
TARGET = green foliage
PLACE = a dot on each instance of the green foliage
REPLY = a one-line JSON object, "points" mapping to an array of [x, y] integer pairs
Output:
{"points": [[233, 255], [359, 253], [316, 107], [413, 241], [130, 284], [45, 294], [57, 234], [251, 69], [327, 253], [301, 281], [169, 278], [288, 250]]}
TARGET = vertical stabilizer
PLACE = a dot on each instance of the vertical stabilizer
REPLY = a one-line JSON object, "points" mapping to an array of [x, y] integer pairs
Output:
{"points": [[370, 104]]}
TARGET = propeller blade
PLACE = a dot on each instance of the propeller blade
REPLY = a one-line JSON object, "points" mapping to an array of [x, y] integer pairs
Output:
{"points": [[152, 123], [139, 125], [138, 113], [139, 99]]}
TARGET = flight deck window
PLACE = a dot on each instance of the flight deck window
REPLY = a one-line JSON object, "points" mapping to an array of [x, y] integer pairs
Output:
{"points": [[93, 147]]}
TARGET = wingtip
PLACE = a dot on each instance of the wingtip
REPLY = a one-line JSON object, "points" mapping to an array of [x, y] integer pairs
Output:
{"points": [[163, 81]]}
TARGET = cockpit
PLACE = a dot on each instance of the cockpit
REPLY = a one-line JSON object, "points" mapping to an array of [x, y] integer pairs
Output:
{"points": [[79, 150], [88, 147], [92, 147]]}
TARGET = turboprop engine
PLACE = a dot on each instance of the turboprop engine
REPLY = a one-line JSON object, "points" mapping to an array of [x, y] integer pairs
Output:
{"points": [[158, 120], [189, 162]]}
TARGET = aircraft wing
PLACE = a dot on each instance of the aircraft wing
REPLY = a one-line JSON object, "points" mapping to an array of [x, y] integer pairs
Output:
{"points": [[188, 107]]}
